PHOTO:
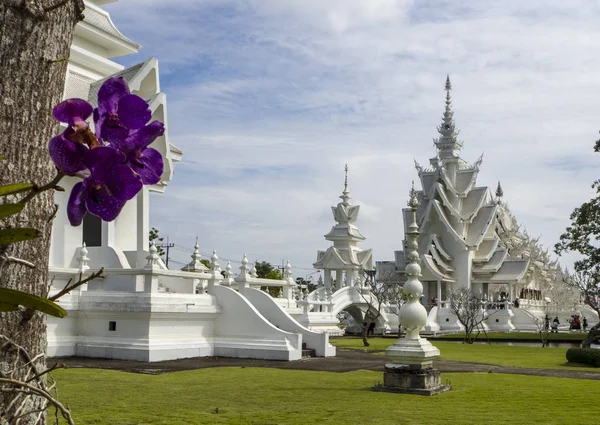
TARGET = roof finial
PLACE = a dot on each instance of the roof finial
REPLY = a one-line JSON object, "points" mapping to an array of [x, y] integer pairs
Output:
{"points": [[499, 191], [345, 197], [346, 178], [447, 129]]}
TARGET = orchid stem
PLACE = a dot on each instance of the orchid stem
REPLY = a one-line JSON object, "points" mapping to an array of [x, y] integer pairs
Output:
{"points": [[37, 190]]}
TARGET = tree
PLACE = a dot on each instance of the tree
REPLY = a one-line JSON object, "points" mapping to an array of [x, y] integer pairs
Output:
{"points": [[470, 310], [543, 327], [588, 285], [274, 291], [263, 268], [389, 278], [308, 283], [34, 50], [155, 237], [582, 236], [384, 289]]}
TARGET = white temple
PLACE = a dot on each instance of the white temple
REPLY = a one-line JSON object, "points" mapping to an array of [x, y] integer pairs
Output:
{"points": [[141, 310], [459, 245]]}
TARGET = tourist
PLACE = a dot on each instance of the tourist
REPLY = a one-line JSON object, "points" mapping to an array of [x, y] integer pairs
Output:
{"points": [[547, 322], [555, 324], [585, 324], [517, 302]]}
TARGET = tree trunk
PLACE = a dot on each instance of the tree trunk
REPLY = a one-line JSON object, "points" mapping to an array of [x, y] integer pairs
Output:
{"points": [[35, 37]]}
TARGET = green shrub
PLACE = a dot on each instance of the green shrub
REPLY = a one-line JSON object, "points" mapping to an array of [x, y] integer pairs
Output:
{"points": [[590, 356]]}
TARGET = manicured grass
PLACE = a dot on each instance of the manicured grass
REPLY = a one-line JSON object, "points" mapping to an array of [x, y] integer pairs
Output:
{"points": [[521, 336], [530, 357], [265, 396]]}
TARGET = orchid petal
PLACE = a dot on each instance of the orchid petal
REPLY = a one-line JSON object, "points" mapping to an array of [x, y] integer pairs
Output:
{"points": [[152, 166], [102, 204], [138, 140], [72, 111], [122, 182], [103, 158], [133, 112], [68, 156], [76, 206], [111, 91]]}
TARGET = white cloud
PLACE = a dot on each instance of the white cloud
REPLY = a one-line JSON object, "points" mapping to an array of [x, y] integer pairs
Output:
{"points": [[268, 99]]}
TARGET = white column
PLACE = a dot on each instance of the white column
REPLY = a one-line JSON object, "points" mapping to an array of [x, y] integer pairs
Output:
{"points": [[439, 293], [143, 219]]}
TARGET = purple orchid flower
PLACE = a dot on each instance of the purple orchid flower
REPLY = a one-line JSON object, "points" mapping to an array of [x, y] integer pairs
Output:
{"points": [[104, 193], [68, 149], [146, 162], [119, 111]]}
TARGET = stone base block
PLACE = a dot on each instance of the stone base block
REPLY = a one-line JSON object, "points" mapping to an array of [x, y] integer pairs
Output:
{"points": [[412, 380]]}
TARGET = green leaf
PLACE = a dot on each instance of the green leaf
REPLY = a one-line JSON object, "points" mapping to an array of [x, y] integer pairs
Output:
{"points": [[8, 306], [11, 189], [8, 236], [10, 209], [10, 299]]}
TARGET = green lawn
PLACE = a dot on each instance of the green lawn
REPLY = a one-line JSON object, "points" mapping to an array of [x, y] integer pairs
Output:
{"points": [[531, 357], [522, 336], [265, 396]]}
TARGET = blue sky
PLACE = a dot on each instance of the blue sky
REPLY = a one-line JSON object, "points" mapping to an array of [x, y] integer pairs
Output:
{"points": [[268, 99]]}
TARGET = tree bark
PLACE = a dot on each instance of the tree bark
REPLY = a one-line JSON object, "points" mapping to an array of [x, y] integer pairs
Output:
{"points": [[35, 37]]}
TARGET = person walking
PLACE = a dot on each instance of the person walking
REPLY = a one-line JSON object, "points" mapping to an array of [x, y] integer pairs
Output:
{"points": [[555, 324]]}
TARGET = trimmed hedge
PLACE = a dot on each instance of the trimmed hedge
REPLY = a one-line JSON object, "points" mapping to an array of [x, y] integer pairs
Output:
{"points": [[589, 356]]}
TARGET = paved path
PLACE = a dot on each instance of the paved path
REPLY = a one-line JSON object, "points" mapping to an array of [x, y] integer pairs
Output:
{"points": [[346, 360]]}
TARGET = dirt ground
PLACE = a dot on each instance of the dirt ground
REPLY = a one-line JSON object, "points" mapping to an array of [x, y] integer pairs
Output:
{"points": [[346, 360]]}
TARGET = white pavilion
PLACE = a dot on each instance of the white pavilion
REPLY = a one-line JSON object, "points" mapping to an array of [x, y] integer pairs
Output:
{"points": [[344, 265], [343, 262]]}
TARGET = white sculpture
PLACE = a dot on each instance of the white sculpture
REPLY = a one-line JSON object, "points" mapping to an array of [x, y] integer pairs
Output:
{"points": [[413, 349]]}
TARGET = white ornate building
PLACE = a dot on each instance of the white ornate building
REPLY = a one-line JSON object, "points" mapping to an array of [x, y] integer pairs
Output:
{"points": [[142, 310], [344, 265], [459, 245], [469, 239]]}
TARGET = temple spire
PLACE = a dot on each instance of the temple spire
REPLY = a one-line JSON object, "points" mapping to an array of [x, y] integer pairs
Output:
{"points": [[499, 191], [345, 197], [447, 129]]}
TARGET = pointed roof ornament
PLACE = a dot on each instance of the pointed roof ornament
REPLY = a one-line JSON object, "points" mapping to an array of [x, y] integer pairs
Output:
{"points": [[196, 264], [413, 201], [499, 191], [253, 272], [418, 166], [83, 259], [345, 197], [287, 271], [447, 128], [214, 262], [244, 271], [152, 257], [196, 254], [228, 270]]}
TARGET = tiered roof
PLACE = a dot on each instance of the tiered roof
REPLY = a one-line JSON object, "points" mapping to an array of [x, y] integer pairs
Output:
{"points": [[456, 215]]}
